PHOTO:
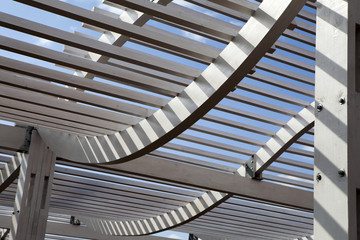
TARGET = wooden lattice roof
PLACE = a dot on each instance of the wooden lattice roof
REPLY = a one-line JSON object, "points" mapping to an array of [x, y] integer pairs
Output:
{"points": [[160, 112]]}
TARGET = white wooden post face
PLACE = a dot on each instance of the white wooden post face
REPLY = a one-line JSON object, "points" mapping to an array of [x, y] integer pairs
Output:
{"points": [[33, 192], [337, 129]]}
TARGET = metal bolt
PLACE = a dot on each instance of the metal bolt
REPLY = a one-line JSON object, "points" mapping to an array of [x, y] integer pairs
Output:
{"points": [[341, 100], [319, 107], [252, 161], [18, 211], [13, 213], [341, 172], [318, 177]]}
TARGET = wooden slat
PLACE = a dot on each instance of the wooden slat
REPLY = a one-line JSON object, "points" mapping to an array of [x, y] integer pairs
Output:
{"points": [[282, 84], [106, 71], [186, 46], [50, 89], [215, 144], [271, 94], [261, 104], [217, 7], [96, 46], [243, 6], [42, 100], [250, 115], [50, 125], [87, 121], [227, 135], [203, 153], [238, 125], [51, 121], [184, 16], [80, 82]]}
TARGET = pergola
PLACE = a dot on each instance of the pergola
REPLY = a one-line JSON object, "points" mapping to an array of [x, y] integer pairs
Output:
{"points": [[226, 119]]}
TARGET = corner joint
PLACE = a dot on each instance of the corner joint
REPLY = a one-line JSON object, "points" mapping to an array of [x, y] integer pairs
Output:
{"points": [[74, 221], [250, 169]]}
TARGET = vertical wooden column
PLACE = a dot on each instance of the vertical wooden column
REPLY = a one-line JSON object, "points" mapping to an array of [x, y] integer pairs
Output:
{"points": [[33, 192], [337, 124]]}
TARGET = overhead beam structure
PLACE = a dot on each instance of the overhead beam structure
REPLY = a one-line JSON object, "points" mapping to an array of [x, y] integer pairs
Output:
{"points": [[191, 115], [296, 127], [219, 78]]}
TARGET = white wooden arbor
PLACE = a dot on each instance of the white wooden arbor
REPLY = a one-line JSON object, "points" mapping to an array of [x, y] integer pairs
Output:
{"points": [[196, 116]]}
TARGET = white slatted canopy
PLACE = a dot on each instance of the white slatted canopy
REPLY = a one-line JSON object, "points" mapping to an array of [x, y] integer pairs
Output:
{"points": [[195, 116]]}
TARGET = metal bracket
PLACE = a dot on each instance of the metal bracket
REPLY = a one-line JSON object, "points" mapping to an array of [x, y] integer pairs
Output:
{"points": [[5, 234], [25, 147], [193, 237], [74, 221], [250, 166]]}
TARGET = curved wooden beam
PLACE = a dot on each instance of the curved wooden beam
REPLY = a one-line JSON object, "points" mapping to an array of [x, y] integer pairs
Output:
{"points": [[215, 82], [295, 128], [280, 142], [166, 221]]}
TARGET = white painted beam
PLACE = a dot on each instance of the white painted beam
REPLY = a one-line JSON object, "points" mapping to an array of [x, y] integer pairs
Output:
{"points": [[32, 199], [162, 169], [281, 141], [337, 131]]}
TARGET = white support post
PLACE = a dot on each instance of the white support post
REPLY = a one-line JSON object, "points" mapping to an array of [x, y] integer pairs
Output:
{"points": [[33, 192], [337, 125]]}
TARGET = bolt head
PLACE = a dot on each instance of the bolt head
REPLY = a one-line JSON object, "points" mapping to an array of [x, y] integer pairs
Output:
{"points": [[319, 107], [341, 173], [318, 177], [341, 100]]}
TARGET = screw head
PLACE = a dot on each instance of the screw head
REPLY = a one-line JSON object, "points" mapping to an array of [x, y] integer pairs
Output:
{"points": [[341, 100], [318, 177], [341, 172], [319, 107]]}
